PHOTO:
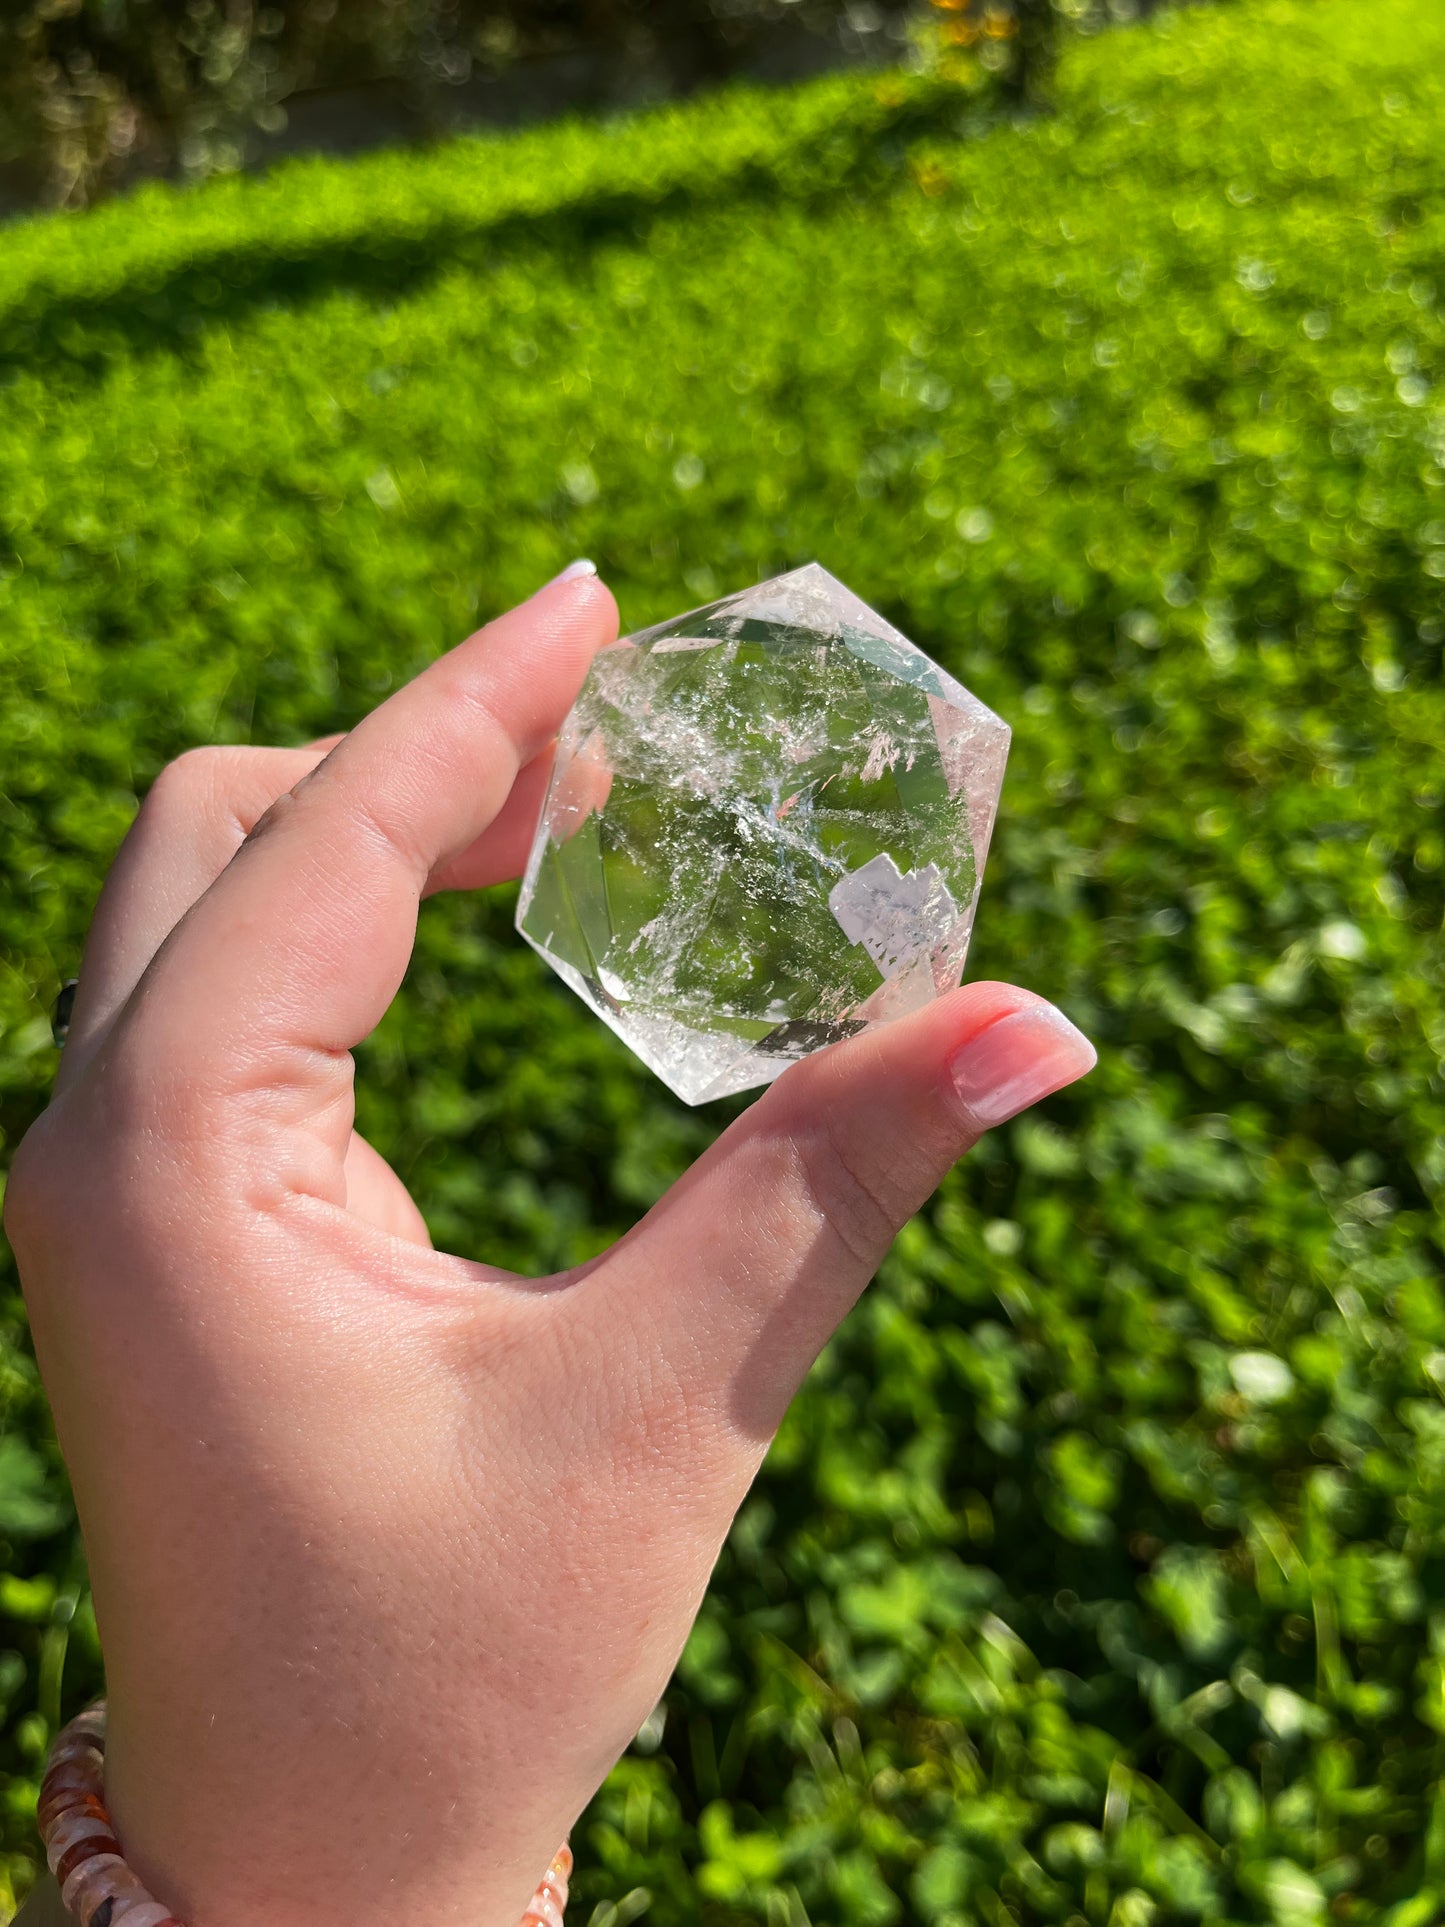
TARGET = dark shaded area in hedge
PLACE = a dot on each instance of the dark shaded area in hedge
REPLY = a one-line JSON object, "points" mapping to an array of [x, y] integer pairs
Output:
{"points": [[98, 94]]}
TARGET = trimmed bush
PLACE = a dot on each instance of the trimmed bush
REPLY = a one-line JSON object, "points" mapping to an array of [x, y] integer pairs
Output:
{"points": [[1097, 1575]]}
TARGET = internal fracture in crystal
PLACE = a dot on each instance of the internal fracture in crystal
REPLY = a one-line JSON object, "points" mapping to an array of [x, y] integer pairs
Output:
{"points": [[765, 830]]}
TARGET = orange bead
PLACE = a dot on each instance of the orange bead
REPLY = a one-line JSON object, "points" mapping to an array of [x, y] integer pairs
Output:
{"points": [[86, 1849], [52, 1788], [69, 1830], [68, 1800]]}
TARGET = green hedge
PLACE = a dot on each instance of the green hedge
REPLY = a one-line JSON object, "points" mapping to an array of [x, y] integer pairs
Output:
{"points": [[1099, 1573]]}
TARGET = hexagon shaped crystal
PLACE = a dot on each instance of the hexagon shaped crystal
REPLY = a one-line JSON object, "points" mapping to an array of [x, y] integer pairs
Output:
{"points": [[765, 829]]}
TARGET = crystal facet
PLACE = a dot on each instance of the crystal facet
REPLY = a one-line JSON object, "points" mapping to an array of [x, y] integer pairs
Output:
{"points": [[765, 829]]}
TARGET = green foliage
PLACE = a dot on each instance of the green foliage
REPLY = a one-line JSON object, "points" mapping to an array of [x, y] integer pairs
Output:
{"points": [[1097, 1575]]}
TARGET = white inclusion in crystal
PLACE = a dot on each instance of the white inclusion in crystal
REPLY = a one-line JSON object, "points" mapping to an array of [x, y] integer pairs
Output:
{"points": [[882, 755], [894, 914]]}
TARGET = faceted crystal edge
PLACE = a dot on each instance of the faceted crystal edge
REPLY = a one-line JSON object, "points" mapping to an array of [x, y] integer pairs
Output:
{"points": [[814, 580], [719, 1079], [768, 596]]}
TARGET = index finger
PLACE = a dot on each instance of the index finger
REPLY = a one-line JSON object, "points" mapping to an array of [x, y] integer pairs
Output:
{"points": [[296, 950]]}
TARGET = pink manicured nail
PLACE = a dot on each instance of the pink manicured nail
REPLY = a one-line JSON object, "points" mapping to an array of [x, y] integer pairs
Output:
{"points": [[573, 569], [1018, 1060]]}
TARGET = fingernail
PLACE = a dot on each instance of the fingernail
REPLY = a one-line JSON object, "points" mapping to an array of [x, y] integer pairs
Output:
{"points": [[1018, 1060], [573, 569]]}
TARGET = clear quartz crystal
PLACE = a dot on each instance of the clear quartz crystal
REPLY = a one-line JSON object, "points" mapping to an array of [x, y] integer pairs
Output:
{"points": [[765, 830]]}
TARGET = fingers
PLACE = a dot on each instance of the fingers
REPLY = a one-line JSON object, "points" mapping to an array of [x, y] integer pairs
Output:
{"points": [[295, 951], [197, 814], [737, 1278], [500, 853]]}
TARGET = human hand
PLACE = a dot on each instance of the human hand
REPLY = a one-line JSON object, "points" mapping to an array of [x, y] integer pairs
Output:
{"points": [[392, 1552]]}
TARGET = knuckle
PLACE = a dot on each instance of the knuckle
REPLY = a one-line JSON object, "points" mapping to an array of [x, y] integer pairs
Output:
{"points": [[275, 814], [847, 1189], [185, 782], [55, 1163], [29, 1193], [390, 836]]}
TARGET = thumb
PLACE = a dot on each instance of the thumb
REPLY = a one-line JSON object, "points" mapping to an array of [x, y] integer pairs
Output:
{"points": [[735, 1280]]}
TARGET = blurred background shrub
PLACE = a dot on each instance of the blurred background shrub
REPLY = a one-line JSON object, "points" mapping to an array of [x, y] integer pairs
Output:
{"points": [[1098, 1574], [98, 93]]}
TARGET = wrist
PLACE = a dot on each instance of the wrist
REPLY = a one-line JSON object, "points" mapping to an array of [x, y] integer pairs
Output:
{"points": [[99, 1883]]}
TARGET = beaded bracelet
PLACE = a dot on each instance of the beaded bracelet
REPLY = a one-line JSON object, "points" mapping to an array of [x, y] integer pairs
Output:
{"points": [[97, 1886]]}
